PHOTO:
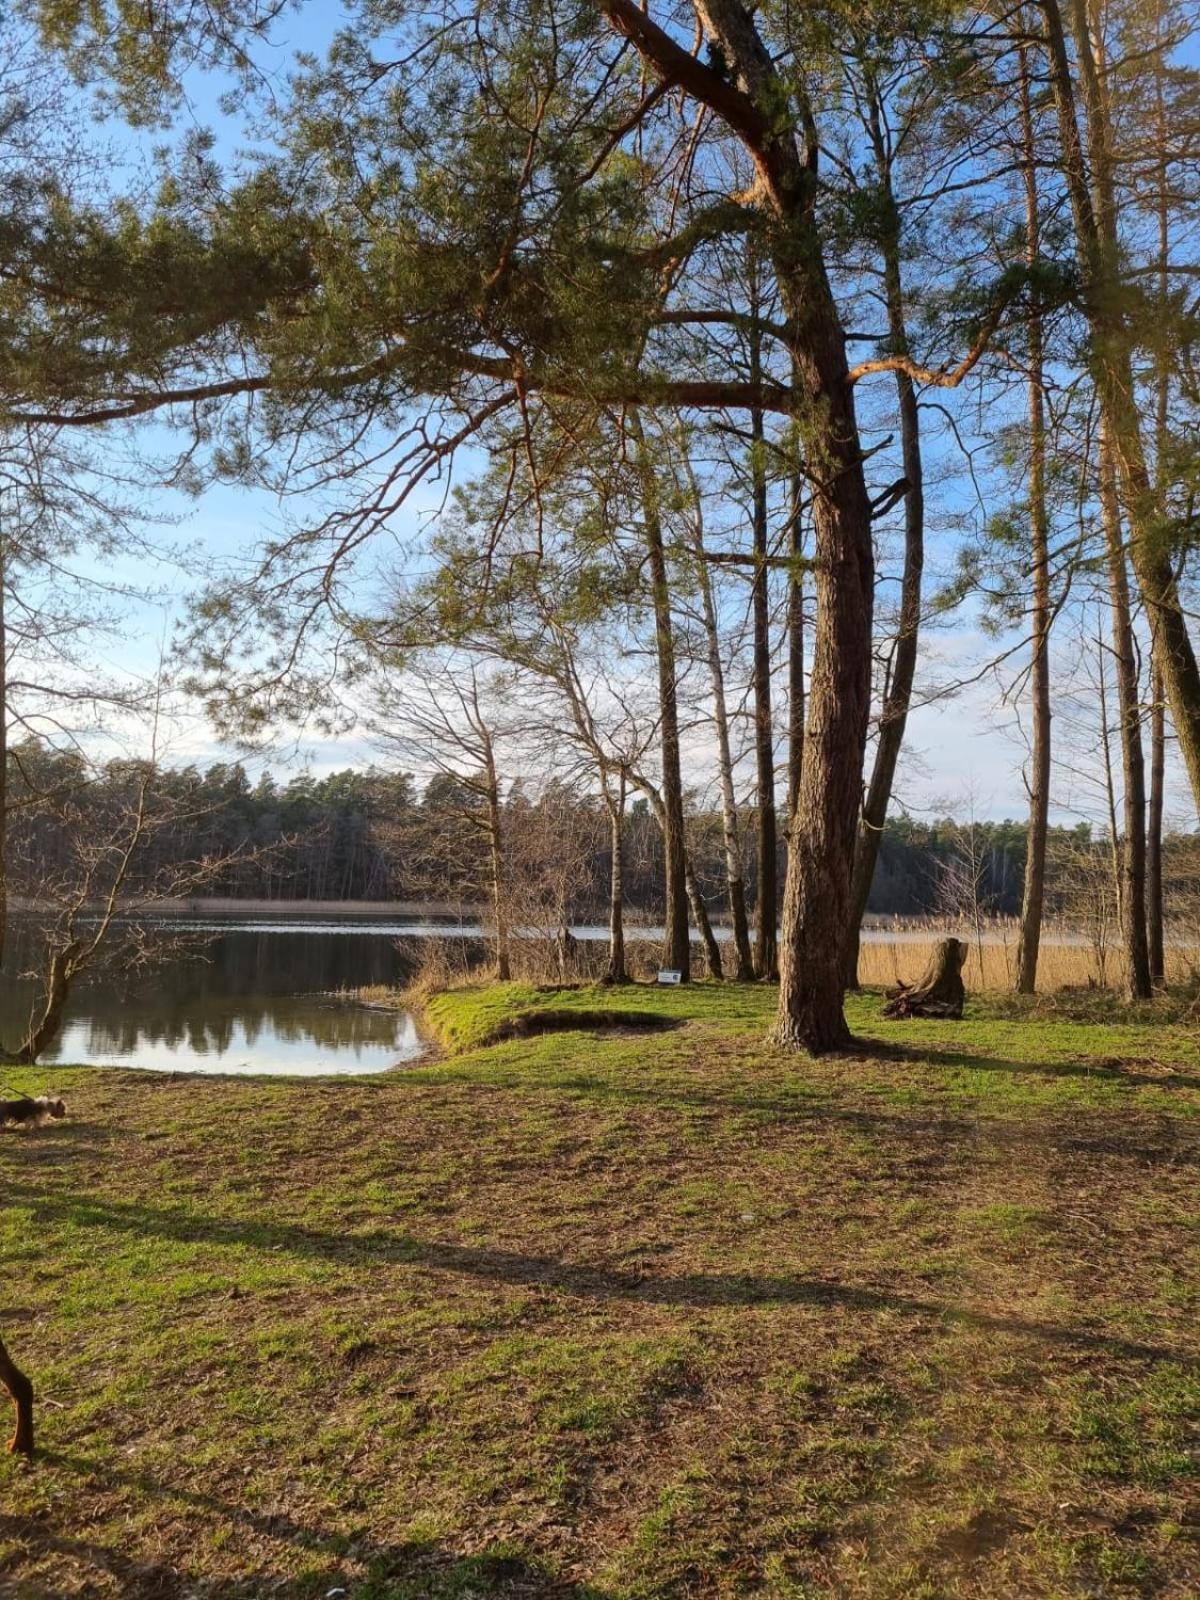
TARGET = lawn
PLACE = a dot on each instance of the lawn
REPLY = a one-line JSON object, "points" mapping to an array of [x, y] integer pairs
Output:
{"points": [[620, 1313]]}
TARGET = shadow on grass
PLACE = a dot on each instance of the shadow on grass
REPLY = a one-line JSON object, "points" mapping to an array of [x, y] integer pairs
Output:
{"points": [[918, 1055], [383, 1572], [920, 1124], [694, 1290]]}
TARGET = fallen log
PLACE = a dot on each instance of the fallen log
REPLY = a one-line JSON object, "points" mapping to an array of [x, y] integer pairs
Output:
{"points": [[939, 992]]}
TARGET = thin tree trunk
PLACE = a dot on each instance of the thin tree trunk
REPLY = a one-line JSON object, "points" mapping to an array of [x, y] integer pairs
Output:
{"points": [[898, 693], [1133, 854], [617, 972], [21, 1392], [3, 747], [1162, 402], [731, 832], [676, 945], [43, 1032], [1110, 788], [1033, 896], [496, 851], [1154, 827], [795, 654], [712, 950], [766, 949], [1112, 368]]}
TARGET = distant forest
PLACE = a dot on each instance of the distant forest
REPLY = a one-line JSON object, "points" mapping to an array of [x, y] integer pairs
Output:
{"points": [[375, 835]]}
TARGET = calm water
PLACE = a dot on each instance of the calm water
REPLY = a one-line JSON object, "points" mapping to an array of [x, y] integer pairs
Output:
{"points": [[255, 996], [242, 999]]}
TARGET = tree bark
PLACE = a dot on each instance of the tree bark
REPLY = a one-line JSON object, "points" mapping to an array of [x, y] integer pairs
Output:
{"points": [[1162, 403], [766, 949], [939, 992], [1033, 896], [1133, 854], [3, 746], [676, 944], [20, 1390], [816, 900], [1154, 827], [60, 971], [617, 972], [898, 692], [712, 950], [795, 654], [496, 851]]}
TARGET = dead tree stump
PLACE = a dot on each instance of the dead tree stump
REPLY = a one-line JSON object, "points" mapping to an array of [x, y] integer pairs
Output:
{"points": [[21, 1390], [940, 992]]}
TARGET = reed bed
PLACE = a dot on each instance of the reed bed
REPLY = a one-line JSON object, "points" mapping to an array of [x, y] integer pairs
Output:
{"points": [[889, 954], [992, 964]]}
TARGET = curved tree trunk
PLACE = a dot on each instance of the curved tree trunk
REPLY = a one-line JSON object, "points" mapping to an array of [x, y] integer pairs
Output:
{"points": [[898, 695], [712, 950], [43, 1032]]}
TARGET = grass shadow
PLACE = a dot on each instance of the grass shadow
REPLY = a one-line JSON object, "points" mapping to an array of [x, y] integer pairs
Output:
{"points": [[697, 1291], [919, 1055], [412, 1571]]}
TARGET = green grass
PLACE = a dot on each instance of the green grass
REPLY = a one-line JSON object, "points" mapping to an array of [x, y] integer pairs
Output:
{"points": [[616, 1314]]}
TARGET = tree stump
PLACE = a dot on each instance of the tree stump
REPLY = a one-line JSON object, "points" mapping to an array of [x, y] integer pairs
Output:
{"points": [[940, 992], [21, 1390]]}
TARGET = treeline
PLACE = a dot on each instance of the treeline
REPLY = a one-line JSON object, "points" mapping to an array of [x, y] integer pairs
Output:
{"points": [[376, 835]]}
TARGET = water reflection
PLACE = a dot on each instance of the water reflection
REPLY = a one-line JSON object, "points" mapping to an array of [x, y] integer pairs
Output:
{"points": [[238, 1000]]}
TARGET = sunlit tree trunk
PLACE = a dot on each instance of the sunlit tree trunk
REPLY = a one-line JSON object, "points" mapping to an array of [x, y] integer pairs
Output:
{"points": [[795, 654], [816, 900], [1154, 828], [898, 690], [495, 836], [1033, 897], [766, 951], [1133, 852], [676, 949], [1112, 369], [1162, 403], [617, 972]]}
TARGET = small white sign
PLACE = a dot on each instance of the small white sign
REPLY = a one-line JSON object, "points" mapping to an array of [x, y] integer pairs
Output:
{"points": [[667, 976]]}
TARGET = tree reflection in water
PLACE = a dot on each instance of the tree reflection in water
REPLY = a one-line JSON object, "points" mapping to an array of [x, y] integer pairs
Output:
{"points": [[245, 1000]]}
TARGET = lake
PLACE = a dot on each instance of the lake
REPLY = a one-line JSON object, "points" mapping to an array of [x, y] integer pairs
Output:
{"points": [[245, 998], [259, 995]]}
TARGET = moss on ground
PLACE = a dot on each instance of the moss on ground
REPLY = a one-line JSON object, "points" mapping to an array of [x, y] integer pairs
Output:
{"points": [[608, 1315]]}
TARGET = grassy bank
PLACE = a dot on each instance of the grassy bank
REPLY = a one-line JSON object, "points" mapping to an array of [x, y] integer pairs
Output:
{"points": [[620, 1313]]}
